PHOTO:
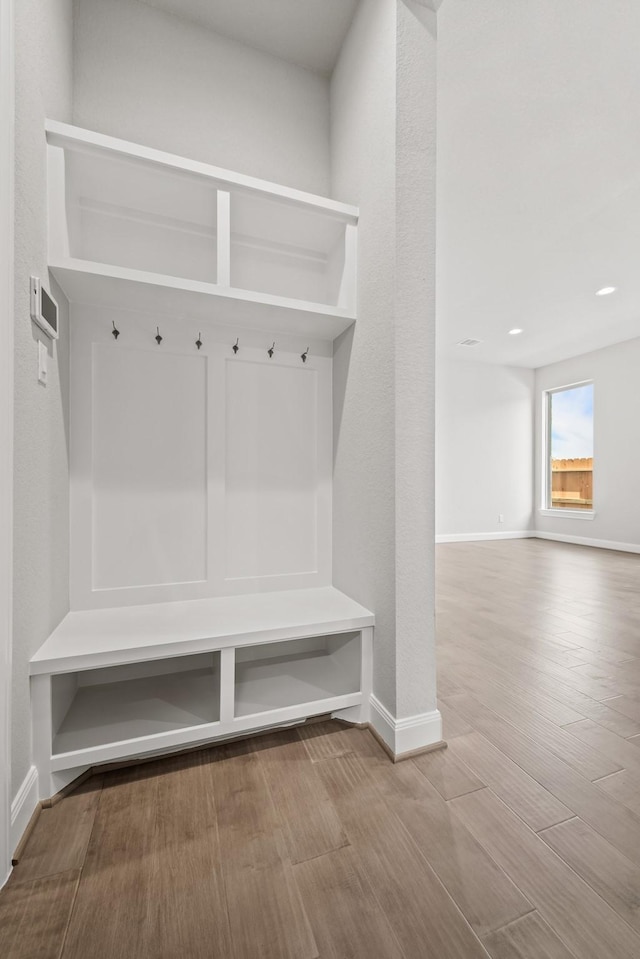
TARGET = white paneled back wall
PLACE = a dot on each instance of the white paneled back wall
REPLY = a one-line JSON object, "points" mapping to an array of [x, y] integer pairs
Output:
{"points": [[195, 473], [148, 467], [270, 469]]}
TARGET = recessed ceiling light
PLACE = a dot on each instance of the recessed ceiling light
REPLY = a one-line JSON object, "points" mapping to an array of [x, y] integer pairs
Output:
{"points": [[606, 290], [514, 332]]}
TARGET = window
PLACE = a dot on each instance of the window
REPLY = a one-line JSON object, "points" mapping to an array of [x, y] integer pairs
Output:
{"points": [[569, 448]]}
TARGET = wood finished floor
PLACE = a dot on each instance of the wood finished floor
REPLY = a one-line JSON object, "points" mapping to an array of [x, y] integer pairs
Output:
{"points": [[520, 841]]}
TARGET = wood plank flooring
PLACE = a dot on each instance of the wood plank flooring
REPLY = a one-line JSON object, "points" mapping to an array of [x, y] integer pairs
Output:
{"points": [[521, 840]]}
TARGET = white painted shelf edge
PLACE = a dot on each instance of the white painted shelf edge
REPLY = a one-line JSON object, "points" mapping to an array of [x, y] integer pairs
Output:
{"points": [[186, 736], [112, 286], [133, 747], [87, 639], [64, 134]]}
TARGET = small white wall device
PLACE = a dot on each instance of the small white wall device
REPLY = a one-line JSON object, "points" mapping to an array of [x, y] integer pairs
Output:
{"points": [[44, 309]]}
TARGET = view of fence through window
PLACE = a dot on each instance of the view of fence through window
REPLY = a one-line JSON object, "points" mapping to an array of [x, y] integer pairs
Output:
{"points": [[571, 447]]}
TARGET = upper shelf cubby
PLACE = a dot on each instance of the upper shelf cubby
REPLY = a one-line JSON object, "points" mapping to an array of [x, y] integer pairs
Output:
{"points": [[134, 227], [286, 250], [121, 212]]}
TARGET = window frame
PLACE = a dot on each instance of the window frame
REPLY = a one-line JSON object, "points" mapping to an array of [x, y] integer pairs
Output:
{"points": [[546, 508]]}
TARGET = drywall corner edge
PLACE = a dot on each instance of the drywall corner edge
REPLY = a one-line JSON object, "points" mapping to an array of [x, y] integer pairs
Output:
{"points": [[7, 114]]}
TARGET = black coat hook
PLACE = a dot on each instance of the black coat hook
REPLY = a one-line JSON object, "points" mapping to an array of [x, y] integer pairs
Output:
{"points": [[272, 350], [114, 332], [157, 337], [303, 356], [235, 346], [199, 341]]}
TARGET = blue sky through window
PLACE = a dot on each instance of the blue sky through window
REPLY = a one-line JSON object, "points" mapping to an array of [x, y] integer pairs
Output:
{"points": [[572, 423]]}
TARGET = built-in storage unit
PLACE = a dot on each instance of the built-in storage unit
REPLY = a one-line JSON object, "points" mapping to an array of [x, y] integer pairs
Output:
{"points": [[203, 304], [117, 683], [137, 228]]}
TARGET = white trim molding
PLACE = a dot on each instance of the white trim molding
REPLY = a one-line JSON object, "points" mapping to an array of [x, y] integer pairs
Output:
{"points": [[23, 806], [568, 513], [478, 537], [409, 735], [7, 107], [590, 541], [542, 534]]}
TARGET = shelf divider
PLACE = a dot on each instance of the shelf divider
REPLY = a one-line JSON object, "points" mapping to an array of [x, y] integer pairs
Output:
{"points": [[224, 238], [58, 228], [227, 684], [348, 286]]}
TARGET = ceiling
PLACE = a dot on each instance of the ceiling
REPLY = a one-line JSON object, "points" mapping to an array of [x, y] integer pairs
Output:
{"points": [[538, 161], [538, 177], [308, 33]]}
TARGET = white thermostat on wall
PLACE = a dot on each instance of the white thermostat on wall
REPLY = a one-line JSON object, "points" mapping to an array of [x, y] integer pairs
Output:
{"points": [[44, 309]]}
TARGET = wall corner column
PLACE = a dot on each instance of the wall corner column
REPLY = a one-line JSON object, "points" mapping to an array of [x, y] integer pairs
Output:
{"points": [[417, 719], [383, 116]]}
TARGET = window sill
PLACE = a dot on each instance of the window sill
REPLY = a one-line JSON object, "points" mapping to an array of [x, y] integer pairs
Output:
{"points": [[560, 513]]}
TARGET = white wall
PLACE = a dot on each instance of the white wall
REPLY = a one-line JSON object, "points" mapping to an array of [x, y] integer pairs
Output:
{"points": [[414, 329], [41, 483], [6, 421], [363, 164], [153, 78], [383, 159], [614, 372], [484, 448]]}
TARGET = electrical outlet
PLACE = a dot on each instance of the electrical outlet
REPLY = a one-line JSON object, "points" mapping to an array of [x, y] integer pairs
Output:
{"points": [[501, 517]]}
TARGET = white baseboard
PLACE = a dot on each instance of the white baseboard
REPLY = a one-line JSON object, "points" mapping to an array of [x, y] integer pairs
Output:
{"points": [[538, 534], [589, 541], [406, 735], [477, 537], [24, 806]]}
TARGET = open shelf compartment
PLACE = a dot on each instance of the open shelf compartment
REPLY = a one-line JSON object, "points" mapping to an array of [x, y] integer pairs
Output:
{"points": [[286, 250], [318, 669], [97, 707], [122, 212]]}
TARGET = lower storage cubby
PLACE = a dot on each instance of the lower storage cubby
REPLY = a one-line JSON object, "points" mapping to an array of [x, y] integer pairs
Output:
{"points": [[96, 707], [131, 682], [273, 676]]}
